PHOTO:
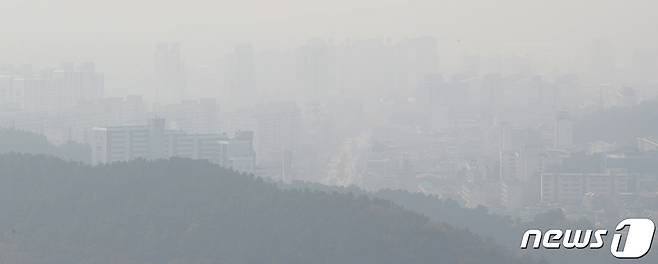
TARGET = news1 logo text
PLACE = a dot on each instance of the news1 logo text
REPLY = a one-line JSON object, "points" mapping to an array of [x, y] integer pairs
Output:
{"points": [[634, 244]]}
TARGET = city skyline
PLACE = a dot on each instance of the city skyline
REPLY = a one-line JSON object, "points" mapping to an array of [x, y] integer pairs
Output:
{"points": [[310, 132]]}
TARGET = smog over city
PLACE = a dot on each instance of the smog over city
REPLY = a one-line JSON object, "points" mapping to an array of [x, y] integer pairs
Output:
{"points": [[317, 131]]}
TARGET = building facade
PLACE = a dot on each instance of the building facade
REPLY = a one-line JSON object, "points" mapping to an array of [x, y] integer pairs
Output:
{"points": [[154, 141]]}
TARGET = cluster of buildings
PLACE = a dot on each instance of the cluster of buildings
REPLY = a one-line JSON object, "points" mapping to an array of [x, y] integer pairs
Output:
{"points": [[49, 89], [154, 141], [615, 175], [67, 104], [510, 143], [373, 113]]}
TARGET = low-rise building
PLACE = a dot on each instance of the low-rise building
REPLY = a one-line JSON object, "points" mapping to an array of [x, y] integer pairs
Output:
{"points": [[154, 141]]}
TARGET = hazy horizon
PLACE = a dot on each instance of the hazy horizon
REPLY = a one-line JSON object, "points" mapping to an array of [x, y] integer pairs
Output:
{"points": [[120, 36], [328, 131]]}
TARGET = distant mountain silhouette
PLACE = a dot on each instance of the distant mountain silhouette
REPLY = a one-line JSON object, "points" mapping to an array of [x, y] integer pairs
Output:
{"points": [[13, 140], [185, 211], [500, 229]]}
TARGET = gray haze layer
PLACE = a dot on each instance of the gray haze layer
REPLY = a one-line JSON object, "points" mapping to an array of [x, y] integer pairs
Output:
{"points": [[555, 36]]}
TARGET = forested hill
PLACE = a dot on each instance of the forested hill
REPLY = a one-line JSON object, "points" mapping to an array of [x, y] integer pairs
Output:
{"points": [[184, 211], [13, 140], [500, 229]]}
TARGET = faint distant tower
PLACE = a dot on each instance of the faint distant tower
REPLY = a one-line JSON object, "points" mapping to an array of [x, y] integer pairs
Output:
{"points": [[419, 58], [240, 73], [491, 96], [277, 139], [314, 68], [602, 97], [603, 60], [563, 137], [169, 73], [79, 83], [628, 97]]}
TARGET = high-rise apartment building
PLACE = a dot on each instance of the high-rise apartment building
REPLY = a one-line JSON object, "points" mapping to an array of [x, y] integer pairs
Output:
{"points": [[277, 130], [194, 116], [51, 89], [563, 131], [170, 76]]}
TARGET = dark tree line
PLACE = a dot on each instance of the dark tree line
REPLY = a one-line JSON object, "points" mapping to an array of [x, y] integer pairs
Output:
{"points": [[185, 211], [499, 229], [12, 140]]}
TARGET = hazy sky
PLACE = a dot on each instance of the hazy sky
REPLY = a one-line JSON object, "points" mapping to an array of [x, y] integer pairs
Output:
{"points": [[86, 23], [122, 33]]}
